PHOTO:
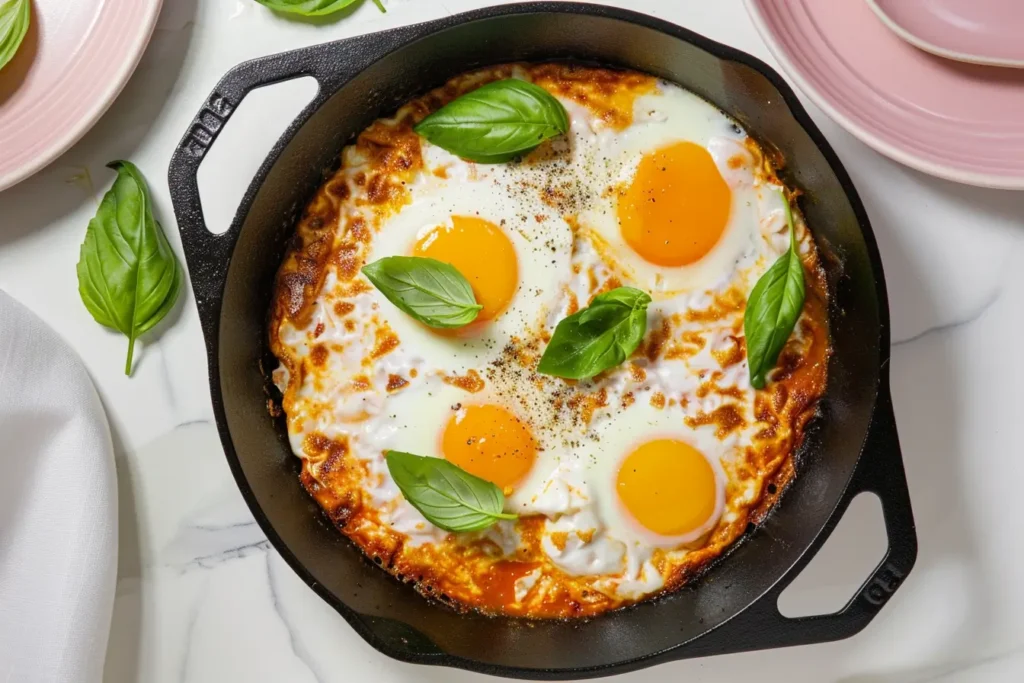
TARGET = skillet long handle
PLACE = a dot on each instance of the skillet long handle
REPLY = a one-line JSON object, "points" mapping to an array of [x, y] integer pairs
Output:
{"points": [[880, 471]]}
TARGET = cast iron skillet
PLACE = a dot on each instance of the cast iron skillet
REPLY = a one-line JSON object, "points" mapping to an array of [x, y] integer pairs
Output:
{"points": [[852, 447]]}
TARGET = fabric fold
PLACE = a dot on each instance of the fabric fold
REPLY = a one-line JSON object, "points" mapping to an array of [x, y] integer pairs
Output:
{"points": [[58, 508]]}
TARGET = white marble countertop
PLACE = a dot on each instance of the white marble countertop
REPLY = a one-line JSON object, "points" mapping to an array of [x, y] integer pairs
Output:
{"points": [[202, 597]]}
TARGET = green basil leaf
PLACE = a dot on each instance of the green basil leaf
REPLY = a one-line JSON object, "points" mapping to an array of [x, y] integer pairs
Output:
{"points": [[432, 291], [128, 275], [496, 122], [15, 16], [625, 296], [312, 8], [447, 495], [598, 337], [773, 309]]}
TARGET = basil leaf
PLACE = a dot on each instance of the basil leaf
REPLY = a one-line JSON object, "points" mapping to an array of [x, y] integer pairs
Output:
{"points": [[128, 275], [496, 122], [625, 296], [773, 309], [432, 291], [312, 8], [598, 337], [15, 16], [448, 496]]}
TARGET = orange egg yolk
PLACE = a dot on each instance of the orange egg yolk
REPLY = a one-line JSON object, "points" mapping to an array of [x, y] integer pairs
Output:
{"points": [[677, 206], [490, 442], [483, 254], [668, 486]]}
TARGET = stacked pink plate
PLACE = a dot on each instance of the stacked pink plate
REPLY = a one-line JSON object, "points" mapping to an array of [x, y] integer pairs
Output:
{"points": [[976, 31], [960, 121]]}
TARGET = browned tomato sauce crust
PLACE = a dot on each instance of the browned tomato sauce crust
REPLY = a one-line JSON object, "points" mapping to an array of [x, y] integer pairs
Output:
{"points": [[331, 238]]}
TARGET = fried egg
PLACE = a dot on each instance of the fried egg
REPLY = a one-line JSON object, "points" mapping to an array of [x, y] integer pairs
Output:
{"points": [[664, 483], [479, 432], [515, 255], [626, 484], [680, 208]]}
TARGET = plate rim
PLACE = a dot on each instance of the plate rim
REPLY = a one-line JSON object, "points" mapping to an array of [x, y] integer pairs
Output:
{"points": [[922, 44], [59, 145], [864, 134]]}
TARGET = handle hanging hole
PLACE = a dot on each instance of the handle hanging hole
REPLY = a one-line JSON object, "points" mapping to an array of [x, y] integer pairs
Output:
{"points": [[255, 126], [838, 571]]}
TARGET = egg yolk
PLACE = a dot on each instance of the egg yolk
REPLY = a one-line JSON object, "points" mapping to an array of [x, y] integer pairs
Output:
{"points": [[668, 486], [677, 206], [483, 254], [490, 442]]}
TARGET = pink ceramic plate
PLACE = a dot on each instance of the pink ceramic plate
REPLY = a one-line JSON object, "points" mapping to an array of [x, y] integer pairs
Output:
{"points": [[77, 56], [979, 31], [954, 120]]}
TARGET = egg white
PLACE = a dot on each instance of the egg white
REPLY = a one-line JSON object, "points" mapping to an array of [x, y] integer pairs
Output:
{"points": [[412, 421], [666, 116], [543, 251], [617, 438]]}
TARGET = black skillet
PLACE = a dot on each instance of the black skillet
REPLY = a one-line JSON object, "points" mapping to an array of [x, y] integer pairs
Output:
{"points": [[851, 448]]}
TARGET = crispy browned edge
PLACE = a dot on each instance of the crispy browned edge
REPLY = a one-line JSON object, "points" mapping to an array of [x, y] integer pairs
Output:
{"points": [[390, 149]]}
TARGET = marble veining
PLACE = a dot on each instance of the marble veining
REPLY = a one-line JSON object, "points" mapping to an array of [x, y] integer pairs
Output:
{"points": [[295, 639], [969, 318]]}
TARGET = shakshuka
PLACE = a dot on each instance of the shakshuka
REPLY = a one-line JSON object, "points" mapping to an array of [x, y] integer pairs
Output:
{"points": [[619, 486]]}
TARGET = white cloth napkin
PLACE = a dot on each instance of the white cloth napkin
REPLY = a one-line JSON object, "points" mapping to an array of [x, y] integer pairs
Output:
{"points": [[58, 508]]}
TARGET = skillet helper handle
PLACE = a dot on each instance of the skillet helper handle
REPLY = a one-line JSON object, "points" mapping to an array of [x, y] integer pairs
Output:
{"points": [[879, 471], [207, 254]]}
